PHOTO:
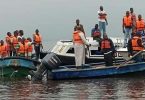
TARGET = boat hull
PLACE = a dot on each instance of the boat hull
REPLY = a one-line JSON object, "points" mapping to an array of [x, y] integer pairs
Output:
{"points": [[11, 73], [16, 66], [91, 72]]}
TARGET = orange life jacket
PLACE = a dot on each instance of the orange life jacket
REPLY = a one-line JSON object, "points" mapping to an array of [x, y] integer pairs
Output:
{"points": [[15, 41], [105, 44], [7, 39], [102, 16], [127, 21], [96, 33], [133, 16], [77, 38], [135, 46], [140, 25], [37, 39], [21, 48], [28, 48], [3, 50]]}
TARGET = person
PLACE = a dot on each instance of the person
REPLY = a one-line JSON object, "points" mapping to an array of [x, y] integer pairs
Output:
{"points": [[96, 34], [127, 27], [140, 27], [79, 25], [37, 43], [108, 49], [133, 17], [3, 49], [9, 39], [28, 48], [102, 20], [79, 41], [20, 34], [134, 46], [20, 49], [15, 43]]}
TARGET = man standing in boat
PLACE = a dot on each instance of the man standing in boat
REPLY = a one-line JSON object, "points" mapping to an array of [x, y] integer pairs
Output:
{"points": [[133, 17], [102, 20], [9, 40], [134, 46], [37, 43], [127, 27], [79, 41], [79, 25], [140, 27], [108, 49]]}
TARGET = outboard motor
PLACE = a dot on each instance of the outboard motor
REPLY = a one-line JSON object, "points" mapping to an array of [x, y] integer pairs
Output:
{"points": [[49, 62]]}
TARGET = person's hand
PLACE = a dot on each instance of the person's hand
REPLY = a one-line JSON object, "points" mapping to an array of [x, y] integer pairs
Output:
{"points": [[106, 23], [123, 31], [41, 46]]}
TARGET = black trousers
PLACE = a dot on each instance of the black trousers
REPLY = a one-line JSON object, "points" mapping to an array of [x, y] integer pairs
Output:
{"points": [[108, 58], [37, 51]]}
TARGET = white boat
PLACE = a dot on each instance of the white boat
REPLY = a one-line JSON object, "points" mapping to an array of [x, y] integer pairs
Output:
{"points": [[64, 49]]}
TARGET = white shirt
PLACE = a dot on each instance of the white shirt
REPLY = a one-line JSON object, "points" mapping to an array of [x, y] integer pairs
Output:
{"points": [[81, 34], [102, 12]]}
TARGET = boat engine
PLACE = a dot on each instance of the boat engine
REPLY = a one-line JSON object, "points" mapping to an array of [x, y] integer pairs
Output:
{"points": [[49, 62]]}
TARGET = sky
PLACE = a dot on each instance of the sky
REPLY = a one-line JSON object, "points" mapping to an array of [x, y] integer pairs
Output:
{"points": [[56, 18]]}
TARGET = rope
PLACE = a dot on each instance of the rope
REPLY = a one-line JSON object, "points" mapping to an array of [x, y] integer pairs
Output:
{"points": [[13, 73]]}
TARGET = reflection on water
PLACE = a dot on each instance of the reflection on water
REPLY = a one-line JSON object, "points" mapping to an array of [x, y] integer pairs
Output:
{"points": [[85, 89]]}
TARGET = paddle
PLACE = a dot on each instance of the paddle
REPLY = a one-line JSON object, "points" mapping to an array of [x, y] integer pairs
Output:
{"points": [[130, 58]]}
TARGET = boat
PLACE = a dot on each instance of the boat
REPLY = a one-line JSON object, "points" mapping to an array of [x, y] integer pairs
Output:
{"points": [[17, 66], [51, 65], [64, 49], [96, 71]]}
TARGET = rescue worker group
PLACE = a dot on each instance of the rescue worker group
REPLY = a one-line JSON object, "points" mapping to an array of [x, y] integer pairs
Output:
{"points": [[132, 27], [17, 45]]}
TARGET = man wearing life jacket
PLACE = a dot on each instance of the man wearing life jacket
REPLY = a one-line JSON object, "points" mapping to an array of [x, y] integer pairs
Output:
{"points": [[102, 20], [96, 34], [3, 49], [28, 48], [127, 27], [79, 41], [140, 27], [133, 17], [108, 49], [134, 46], [9, 40], [79, 25], [15, 43], [37, 43], [21, 48]]}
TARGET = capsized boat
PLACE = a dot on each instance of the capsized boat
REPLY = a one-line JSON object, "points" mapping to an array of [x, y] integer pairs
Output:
{"points": [[16, 66], [51, 63], [64, 49]]}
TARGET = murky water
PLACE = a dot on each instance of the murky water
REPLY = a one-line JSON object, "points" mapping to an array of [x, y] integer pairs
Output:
{"points": [[116, 88]]}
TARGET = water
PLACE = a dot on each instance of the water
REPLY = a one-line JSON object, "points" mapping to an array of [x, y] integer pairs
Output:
{"points": [[55, 20], [115, 88]]}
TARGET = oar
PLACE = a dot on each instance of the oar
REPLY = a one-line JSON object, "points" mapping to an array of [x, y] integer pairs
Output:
{"points": [[130, 58]]}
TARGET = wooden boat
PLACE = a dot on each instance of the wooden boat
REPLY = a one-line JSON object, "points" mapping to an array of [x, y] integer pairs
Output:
{"points": [[96, 71], [51, 63], [16, 66]]}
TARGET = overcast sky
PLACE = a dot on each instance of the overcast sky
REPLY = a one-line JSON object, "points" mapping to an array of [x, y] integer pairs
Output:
{"points": [[55, 18]]}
